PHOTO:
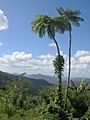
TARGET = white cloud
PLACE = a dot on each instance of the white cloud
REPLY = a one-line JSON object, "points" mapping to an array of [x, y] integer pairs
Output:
{"points": [[23, 62], [82, 53], [17, 56], [83, 56], [48, 56], [3, 21], [85, 59], [20, 62], [80, 64], [52, 45]]}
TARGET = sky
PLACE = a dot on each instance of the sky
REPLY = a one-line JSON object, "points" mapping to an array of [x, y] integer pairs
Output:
{"points": [[21, 50]]}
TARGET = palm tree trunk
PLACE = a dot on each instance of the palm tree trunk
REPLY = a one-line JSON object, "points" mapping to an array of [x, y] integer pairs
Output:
{"points": [[59, 56], [59, 92], [58, 51], [69, 69]]}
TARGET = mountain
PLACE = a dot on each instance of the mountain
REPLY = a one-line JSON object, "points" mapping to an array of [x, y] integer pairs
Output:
{"points": [[50, 79], [53, 80], [35, 85], [78, 79], [36, 82]]}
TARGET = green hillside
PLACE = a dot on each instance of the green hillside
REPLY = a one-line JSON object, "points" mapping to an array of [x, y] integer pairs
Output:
{"points": [[35, 85]]}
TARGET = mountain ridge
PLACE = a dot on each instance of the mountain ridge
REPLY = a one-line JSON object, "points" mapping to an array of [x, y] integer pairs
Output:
{"points": [[35, 85], [54, 80]]}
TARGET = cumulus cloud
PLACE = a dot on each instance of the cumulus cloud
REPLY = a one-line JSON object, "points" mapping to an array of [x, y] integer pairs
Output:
{"points": [[20, 62], [24, 62], [85, 59], [82, 53], [83, 56], [80, 64], [3, 21], [52, 45], [48, 56]]}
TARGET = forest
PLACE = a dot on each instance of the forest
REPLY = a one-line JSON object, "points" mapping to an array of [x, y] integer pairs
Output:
{"points": [[55, 102]]}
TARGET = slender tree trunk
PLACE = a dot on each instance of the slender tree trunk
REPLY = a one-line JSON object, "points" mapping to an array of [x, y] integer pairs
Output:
{"points": [[59, 75], [69, 69], [59, 56], [58, 50]]}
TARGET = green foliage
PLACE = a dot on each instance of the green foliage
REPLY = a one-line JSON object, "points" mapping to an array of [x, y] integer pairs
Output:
{"points": [[34, 86], [78, 99], [41, 25], [71, 16], [59, 68], [12, 99], [16, 104], [44, 23], [58, 65]]}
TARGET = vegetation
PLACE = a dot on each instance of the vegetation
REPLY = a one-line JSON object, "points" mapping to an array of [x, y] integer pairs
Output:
{"points": [[34, 85], [16, 104]]}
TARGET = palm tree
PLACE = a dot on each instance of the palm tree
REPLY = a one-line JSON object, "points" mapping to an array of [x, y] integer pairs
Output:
{"points": [[70, 17], [43, 24]]}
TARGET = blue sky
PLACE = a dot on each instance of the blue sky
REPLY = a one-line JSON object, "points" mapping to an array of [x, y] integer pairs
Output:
{"points": [[18, 37]]}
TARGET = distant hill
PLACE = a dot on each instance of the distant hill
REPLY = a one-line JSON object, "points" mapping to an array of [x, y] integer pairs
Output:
{"points": [[36, 82], [53, 80], [78, 79], [50, 79], [35, 85]]}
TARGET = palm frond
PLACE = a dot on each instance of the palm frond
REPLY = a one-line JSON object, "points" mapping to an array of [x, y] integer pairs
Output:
{"points": [[71, 15], [73, 12], [60, 25], [60, 10], [42, 31], [45, 23], [40, 25], [39, 16]]}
